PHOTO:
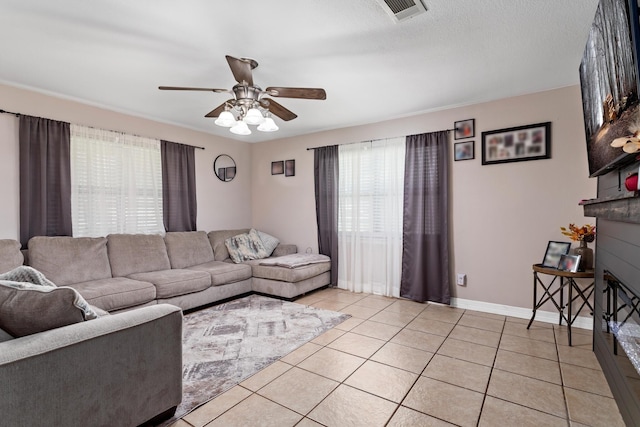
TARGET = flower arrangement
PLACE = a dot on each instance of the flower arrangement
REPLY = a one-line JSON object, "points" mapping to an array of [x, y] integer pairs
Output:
{"points": [[586, 233]]}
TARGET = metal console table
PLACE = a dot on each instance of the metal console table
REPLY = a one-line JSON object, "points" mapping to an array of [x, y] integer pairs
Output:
{"points": [[561, 279]]}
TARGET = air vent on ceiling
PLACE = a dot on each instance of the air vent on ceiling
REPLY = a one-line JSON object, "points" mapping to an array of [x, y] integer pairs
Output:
{"points": [[402, 9]]}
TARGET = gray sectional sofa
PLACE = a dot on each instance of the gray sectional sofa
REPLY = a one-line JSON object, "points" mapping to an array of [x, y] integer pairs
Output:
{"points": [[187, 269], [125, 368]]}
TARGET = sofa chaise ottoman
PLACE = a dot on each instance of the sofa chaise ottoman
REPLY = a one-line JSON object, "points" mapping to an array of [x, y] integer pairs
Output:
{"points": [[274, 280]]}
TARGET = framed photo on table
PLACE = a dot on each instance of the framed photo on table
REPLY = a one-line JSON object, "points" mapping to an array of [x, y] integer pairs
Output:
{"points": [[554, 252], [569, 263]]}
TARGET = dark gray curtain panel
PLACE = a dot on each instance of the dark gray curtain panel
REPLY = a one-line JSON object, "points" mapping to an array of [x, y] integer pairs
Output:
{"points": [[45, 178], [178, 186], [425, 229], [325, 167]]}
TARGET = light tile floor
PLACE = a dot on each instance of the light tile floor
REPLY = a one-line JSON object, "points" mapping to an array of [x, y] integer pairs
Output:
{"points": [[401, 363]]}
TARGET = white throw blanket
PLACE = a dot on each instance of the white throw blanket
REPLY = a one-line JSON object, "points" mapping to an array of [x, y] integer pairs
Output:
{"points": [[296, 260]]}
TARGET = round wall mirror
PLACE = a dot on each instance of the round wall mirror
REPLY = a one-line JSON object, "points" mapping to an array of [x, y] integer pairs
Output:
{"points": [[224, 167]]}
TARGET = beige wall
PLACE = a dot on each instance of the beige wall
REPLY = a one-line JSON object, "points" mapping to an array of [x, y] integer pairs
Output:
{"points": [[502, 216], [220, 205]]}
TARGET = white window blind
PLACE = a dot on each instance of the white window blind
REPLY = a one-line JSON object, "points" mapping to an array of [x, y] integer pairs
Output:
{"points": [[116, 183], [370, 199]]}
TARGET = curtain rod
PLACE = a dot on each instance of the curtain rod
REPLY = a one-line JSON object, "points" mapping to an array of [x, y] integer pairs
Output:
{"points": [[358, 142], [188, 145], [9, 112]]}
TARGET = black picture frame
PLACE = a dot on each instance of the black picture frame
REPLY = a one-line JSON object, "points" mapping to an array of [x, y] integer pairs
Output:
{"points": [[569, 263], [464, 129], [277, 168], [517, 144], [464, 151], [554, 252], [290, 168]]}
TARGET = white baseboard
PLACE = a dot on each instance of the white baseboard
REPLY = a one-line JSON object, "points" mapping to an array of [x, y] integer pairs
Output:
{"points": [[583, 322]]}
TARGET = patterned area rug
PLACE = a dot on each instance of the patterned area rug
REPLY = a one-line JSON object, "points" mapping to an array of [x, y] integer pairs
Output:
{"points": [[227, 343]]}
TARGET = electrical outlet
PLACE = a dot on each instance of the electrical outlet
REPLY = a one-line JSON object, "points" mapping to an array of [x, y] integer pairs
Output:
{"points": [[461, 279]]}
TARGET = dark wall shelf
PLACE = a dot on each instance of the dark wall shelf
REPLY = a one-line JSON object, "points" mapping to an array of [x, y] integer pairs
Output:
{"points": [[624, 207]]}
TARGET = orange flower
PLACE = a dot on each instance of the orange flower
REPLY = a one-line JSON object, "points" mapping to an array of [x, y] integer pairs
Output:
{"points": [[587, 232]]}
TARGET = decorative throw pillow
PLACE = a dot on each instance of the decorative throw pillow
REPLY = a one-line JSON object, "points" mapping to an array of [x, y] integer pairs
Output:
{"points": [[245, 247], [270, 243], [30, 307], [26, 274]]}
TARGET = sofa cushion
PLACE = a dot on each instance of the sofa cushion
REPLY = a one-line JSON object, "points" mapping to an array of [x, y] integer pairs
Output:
{"points": [[10, 255], [269, 242], [223, 273], [67, 260], [170, 283], [217, 238], [27, 308], [187, 248], [137, 253], [286, 249], [285, 274], [245, 247], [116, 293]]}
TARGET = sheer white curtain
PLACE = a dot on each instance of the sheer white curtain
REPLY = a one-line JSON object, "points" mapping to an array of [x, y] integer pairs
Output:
{"points": [[370, 216], [116, 183]]}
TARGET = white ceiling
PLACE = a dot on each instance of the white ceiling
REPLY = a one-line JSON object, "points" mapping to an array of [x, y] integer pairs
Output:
{"points": [[116, 53]]}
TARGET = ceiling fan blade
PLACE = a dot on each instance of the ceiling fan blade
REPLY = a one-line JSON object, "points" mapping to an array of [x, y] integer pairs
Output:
{"points": [[219, 109], [205, 89], [297, 92], [278, 109], [241, 69]]}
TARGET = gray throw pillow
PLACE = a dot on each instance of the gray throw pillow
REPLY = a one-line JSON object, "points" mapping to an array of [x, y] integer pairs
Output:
{"points": [[35, 304], [270, 243], [245, 247]]}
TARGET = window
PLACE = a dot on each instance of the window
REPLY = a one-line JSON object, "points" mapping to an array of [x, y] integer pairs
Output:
{"points": [[371, 186], [370, 200], [116, 183]]}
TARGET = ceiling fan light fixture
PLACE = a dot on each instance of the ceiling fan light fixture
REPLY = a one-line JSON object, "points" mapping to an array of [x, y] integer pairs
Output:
{"points": [[240, 128], [268, 126], [253, 117], [226, 119]]}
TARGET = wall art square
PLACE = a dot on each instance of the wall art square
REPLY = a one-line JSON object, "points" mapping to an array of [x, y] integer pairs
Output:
{"points": [[531, 142], [290, 168], [463, 150], [277, 168], [464, 129]]}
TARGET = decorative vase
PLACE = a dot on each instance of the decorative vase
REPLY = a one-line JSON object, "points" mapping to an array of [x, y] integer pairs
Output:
{"points": [[586, 256]]}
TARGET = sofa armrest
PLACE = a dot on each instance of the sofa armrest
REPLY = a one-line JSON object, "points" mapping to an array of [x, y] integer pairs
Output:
{"points": [[121, 369], [284, 249]]}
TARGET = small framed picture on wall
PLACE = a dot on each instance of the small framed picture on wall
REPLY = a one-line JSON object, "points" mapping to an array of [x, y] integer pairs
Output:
{"points": [[464, 150], [290, 168], [464, 129], [277, 168]]}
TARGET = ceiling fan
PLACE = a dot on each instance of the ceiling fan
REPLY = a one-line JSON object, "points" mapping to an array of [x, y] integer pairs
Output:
{"points": [[249, 104]]}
